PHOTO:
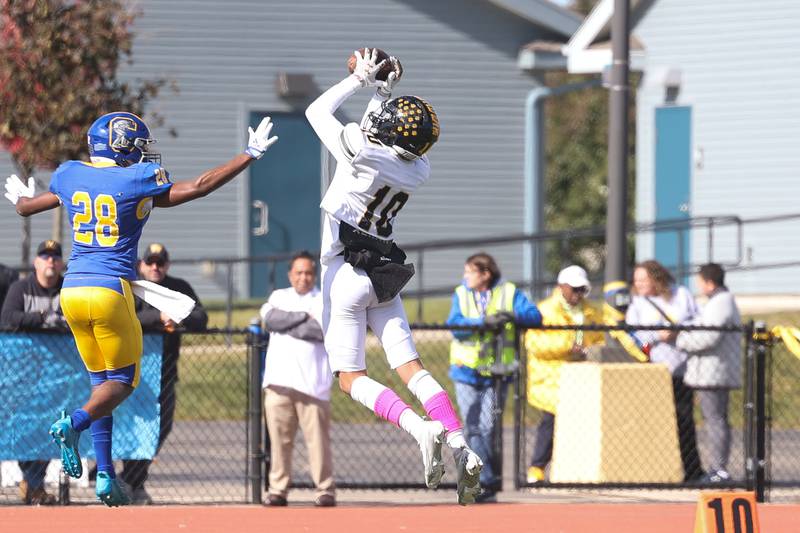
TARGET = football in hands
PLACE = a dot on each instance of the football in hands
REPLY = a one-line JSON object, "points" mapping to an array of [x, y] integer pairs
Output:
{"points": [[385, 70]]}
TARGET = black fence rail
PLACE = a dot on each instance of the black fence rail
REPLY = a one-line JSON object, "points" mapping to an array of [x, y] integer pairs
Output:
{"points": [[616, 423], [721, 239], [780, 439]]}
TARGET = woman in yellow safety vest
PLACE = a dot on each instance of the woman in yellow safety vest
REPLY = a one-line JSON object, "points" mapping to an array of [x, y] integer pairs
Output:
{"points": [[483, 299]]}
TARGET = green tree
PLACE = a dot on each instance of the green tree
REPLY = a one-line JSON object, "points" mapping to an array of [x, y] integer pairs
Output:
{"points": [[577, 167], [58, 71]]}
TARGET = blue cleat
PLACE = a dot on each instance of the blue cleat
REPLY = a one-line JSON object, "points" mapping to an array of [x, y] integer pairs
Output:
{"points": [[110, 492], [67, 439]]}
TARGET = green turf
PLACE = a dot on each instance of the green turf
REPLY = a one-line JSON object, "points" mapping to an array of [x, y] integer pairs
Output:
{"points": [[212, 381]]}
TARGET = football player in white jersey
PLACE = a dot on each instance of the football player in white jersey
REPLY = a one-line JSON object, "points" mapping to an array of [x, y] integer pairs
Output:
{"points": [[380, 164]]}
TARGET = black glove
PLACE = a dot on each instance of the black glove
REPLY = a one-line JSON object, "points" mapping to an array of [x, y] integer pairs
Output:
{"points": [[498, 320]]}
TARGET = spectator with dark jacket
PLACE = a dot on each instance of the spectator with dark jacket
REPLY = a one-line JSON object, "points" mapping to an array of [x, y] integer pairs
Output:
{"points": [[34, 304], [154, 267], [7, 277]]}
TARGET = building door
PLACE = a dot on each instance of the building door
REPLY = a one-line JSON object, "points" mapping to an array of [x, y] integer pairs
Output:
{"points": [[284, 199], [673, 186]]}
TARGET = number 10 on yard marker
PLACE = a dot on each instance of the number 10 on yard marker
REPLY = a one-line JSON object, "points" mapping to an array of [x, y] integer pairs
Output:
{"points": [[726, 512]]}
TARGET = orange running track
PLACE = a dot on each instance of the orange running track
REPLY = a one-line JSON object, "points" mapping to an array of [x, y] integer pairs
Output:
{"points": [[488, 518]]}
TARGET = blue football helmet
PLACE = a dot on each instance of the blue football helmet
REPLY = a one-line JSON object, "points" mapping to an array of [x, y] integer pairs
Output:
{"points": [[122, 137]]}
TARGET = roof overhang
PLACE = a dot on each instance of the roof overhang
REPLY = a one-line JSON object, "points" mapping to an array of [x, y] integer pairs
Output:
{"points": [[588, 50], [542, 55], [543, 13]]}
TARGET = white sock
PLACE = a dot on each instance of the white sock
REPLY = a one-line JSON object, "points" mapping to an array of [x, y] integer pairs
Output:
{"points": [[455, 439], [365, 391], [424, 386], [411, 422]]}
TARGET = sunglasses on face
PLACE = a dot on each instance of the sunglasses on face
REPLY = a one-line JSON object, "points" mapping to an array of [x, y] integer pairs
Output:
{"points": [[54, 257], [580, 290], [157, 262]]}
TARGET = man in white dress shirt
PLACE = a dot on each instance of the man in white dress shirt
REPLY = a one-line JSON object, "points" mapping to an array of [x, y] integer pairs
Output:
{"points": [[297, 383]]}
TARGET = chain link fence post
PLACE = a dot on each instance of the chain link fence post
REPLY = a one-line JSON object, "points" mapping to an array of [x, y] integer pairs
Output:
{"points": [[63, 488], [518, 413], [761, 347], [498, 377], [501, 372], [749, 407], [254, 410]]}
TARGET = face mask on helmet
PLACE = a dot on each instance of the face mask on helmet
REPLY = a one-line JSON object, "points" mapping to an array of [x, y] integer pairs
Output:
{"points": [[122, 137], [407, 124]]}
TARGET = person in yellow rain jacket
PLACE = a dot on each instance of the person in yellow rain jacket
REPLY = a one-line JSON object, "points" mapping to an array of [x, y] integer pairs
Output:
{"points": [[549, 350]]}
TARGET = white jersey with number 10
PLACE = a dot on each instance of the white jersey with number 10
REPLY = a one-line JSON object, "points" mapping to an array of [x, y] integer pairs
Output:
{"points": [[372, 183]]}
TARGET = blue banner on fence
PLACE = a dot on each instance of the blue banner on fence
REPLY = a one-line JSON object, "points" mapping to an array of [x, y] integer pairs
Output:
{"points": [[41, 374]]}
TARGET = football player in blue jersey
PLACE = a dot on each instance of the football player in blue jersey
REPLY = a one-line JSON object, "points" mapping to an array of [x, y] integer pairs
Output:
{"points": [[108, 201]]}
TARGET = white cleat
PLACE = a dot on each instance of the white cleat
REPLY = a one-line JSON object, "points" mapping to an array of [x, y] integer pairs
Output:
{"points": [[468, 472], [430, 440]]}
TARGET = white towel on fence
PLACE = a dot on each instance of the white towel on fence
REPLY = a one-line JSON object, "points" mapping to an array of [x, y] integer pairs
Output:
{"points": [[174, 304]]}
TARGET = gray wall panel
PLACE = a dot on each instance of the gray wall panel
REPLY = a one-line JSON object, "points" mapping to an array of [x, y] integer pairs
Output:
{"points": [[740, 69], [459, 54]]}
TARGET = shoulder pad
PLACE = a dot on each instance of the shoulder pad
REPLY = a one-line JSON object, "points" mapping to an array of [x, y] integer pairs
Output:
{"points": [[351, 139], [154, 170]]}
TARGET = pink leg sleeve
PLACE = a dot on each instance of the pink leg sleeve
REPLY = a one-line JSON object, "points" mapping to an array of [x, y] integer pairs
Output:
{"points": [[440, 408], [389, 406]]}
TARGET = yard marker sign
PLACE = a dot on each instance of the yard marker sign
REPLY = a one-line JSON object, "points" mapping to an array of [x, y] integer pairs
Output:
{"points": [[726, 512]]}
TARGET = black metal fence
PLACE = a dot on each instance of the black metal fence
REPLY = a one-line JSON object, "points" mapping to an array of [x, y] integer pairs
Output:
{"points": [[721, 238], [616, 423], [781, 437], [619, 424]]}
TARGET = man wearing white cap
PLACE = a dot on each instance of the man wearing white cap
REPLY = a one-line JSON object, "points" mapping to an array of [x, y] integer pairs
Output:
{"points": [[549, 350]]}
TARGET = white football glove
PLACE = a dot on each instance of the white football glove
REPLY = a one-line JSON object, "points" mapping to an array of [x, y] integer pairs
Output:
{"points": [[385, 87], [260, 140], [366, 69], [16, 189]]}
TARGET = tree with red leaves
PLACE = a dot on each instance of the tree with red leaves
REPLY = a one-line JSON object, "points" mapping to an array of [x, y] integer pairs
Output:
{"points": [[58, 72]]}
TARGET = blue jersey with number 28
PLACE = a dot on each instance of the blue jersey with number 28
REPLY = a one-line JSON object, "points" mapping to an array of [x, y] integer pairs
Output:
{"points": [[107, 206]]}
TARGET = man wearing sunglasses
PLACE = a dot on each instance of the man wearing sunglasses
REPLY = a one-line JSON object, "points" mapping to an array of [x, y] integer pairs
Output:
{"points": [[549, 350], [33, 304], [154, 267]]}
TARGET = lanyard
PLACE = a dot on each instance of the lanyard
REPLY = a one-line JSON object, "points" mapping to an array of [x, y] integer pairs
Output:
{"points": [[482, 300]]}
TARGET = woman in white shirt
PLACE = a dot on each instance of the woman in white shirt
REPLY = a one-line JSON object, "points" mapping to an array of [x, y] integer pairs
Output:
{"points": [[659, 301]]}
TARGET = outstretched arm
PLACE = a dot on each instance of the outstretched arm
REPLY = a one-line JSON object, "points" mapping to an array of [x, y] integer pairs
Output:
{"points": [[211, 180], [320, 112], [30, 206], [24, 197]]}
